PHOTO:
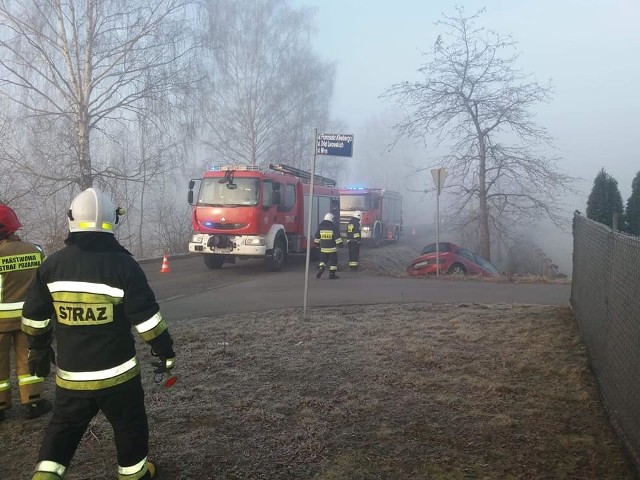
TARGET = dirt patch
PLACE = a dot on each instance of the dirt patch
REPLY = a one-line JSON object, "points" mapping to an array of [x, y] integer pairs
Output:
{"points": [[415, 391], [389, 260]]}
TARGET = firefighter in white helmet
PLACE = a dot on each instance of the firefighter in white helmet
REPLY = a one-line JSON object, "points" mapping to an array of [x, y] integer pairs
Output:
{"points": [[328, 238], [18, 263], [353, 239], [95, 292]]}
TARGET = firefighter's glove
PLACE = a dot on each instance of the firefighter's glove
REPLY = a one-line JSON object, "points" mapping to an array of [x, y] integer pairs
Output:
{"points": [[166, 361], [40, 360]]}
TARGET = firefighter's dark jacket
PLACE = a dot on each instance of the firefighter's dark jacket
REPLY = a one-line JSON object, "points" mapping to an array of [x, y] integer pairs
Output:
{"points": [[91, 293], [353, 230], [328, 237]]}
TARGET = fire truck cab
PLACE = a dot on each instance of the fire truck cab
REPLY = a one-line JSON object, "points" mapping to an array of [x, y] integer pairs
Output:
{"points": [[381, 213], [241, 212]]}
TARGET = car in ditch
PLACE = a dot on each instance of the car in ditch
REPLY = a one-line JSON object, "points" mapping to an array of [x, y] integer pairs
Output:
{"points": [[450, 258]]}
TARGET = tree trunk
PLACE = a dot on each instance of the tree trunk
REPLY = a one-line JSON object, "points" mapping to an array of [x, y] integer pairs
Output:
{"points": [[143, 155], [485, 239], [84, 155]]}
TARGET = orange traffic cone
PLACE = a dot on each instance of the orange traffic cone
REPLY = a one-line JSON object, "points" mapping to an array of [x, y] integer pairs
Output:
{"points": [[165, 264]]}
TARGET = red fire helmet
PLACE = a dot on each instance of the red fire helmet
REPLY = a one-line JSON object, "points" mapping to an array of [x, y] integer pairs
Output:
{"points": [[9, 222]]}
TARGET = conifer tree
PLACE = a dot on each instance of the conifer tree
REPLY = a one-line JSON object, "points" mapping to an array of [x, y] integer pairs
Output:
{"points": [[632, 215], [605, 200]]}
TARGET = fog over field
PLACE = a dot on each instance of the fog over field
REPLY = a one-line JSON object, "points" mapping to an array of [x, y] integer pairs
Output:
{"points": [[586, 49], [544, 100]]}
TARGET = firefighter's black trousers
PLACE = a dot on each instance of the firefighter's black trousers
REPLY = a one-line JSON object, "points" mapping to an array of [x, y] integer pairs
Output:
{"points": [[354, 253], [329, 261], [124, 410]]}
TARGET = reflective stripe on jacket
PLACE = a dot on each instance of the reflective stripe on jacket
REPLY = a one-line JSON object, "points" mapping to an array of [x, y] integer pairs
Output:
{"points": [[353, 230], [328, 237], [94, 298], [18, 263]]}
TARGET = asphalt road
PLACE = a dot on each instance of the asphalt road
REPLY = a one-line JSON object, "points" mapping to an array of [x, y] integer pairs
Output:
{"points": [[190, 290]]}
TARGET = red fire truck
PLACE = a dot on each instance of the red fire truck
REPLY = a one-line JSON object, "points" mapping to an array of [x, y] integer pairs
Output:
{"points": [[381, 213], [241, 212]]}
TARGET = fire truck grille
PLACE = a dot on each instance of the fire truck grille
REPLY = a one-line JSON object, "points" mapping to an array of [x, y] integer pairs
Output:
{"points": [[228, 226], [219, 241]]}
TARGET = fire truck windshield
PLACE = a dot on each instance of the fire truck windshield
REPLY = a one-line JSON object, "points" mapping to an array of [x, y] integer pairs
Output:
{"points": [[217, 194], [354, 202]]}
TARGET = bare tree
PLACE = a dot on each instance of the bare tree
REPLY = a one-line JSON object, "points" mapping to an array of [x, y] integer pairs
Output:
{"points": [[268, 89], [473, 97], [83, 67]]}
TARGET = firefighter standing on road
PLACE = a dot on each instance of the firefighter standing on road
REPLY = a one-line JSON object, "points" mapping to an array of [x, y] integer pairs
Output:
{"points": [[18, 263], [95, 292], [353, 240], [328, 237]]}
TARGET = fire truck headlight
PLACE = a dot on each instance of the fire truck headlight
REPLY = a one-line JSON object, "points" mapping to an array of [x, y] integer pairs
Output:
{"points": [[255, 241], [366, 229], [197, 238]]}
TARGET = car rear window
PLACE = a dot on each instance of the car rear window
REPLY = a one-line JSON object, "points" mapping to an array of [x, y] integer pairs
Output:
{"points": [[431, 248]]}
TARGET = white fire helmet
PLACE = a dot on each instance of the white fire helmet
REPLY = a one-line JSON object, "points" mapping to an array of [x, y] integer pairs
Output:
{"points": [[329, 216], [358, 214], [93, 211]]}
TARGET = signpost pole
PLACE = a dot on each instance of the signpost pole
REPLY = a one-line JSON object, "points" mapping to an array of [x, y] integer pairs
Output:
{"points": [[438, 231], [340, 145], [309, 226]]}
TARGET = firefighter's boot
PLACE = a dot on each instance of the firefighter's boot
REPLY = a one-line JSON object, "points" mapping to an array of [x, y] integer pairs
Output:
{"points": [[333, 276], [152, 470], [320, 272], [37, 409], [2, 417]]}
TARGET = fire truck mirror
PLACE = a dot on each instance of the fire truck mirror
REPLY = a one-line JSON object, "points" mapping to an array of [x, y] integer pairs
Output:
{"points": [[190, 197]]}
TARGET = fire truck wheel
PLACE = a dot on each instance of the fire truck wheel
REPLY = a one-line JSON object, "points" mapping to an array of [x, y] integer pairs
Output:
{"points": [[277, 258], [377, 236], [213, 261]]}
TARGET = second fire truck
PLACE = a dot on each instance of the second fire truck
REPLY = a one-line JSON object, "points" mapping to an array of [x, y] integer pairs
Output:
{"points": [[381, 213]]}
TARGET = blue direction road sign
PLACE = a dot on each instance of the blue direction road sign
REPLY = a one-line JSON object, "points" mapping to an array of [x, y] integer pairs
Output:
{"points": [[335, 144]]}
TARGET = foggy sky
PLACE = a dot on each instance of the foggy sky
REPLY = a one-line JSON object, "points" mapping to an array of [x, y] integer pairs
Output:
{"points": [[589, 49]]}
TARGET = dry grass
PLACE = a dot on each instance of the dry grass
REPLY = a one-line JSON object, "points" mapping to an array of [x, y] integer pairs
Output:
{"points": [[416, 391], [390, 260]]}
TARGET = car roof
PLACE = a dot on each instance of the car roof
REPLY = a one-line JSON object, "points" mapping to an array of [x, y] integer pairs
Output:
{"points": [[443, 247]]}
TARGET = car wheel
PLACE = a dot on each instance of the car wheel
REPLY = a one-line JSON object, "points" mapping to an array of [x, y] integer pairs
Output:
{"points": [[457, 269]]}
